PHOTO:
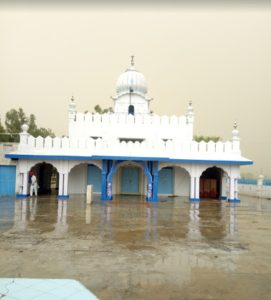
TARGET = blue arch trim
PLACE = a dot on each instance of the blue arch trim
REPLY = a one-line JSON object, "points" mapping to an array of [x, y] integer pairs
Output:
{"points": [[118, 162], [109, 168]]}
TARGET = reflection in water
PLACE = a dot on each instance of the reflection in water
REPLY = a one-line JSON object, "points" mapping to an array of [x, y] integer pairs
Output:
{"points": [[61, 226], [20, 214], [88, 214], [212, 220], [106, 227], [33, 208], [194, 232], [169, 250], [150, 221], [151, 228], [233, 226], [6, 212]]}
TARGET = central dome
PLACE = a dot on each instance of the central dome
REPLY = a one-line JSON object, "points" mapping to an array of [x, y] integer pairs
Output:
{"points": [[131, 81]]}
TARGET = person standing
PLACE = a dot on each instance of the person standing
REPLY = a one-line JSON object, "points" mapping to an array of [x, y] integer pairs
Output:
{"points": [[33, 185]]}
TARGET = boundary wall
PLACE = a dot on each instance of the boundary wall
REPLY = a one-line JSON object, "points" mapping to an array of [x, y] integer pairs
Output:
{"points": [[251, 187]]}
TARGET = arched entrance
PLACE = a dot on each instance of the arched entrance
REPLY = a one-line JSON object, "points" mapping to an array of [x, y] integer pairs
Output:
{"points": [[166, 181], [84, 174], [173, 180], [129, 177], [47, 177], [212, 183], [94, 178]]}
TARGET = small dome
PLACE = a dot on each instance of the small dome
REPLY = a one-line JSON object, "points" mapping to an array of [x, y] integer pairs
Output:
{"points": [[235, 132], [133, 80], [25, 127]]}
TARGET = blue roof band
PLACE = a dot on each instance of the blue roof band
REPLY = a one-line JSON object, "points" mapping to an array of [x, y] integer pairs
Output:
{"points": [[100, 157]]}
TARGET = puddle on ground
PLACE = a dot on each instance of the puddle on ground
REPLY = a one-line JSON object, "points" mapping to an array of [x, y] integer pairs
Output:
{"points": [[130, 249]]}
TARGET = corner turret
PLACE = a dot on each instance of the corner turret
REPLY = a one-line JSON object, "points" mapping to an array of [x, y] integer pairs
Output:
{"points": [[235, 138], [72, 109]]}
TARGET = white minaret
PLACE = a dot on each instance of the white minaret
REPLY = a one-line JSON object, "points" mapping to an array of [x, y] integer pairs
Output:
{"points": [[235, 139], [190, 113], [131, 93], [190, 121], [72, 109], [72, 116]]}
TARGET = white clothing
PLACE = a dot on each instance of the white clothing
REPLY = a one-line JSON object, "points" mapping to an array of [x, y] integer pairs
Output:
{"points": [[34, 186]]}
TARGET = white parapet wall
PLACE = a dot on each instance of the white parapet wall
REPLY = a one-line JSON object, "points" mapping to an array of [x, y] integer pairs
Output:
{"points": [[259, 191], [128, 126], [175, 149]]}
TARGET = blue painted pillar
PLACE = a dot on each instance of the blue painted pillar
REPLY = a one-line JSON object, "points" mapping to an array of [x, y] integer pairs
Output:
{"points": [[104, 183], [155, 181], [106, 193], [150, 182], [148, 167], [109, 195]]}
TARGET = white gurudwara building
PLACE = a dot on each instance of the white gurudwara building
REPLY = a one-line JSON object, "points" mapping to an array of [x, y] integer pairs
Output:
{"points": [[130, 151]]}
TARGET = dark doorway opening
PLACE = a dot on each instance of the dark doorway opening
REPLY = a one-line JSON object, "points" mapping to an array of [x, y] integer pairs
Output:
{"points": [[210, 183], [47, 177], [131, 110]]}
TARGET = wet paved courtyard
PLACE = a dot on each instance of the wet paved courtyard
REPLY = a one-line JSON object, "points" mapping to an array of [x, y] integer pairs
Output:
{"points": [[130, 249]]}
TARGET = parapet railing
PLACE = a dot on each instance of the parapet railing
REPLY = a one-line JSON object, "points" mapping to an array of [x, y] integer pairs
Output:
{"points": [[98, 146], [129, 119]]}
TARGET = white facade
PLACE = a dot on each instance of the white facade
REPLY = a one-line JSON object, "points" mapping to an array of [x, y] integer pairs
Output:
{"points": [[131, 137]]}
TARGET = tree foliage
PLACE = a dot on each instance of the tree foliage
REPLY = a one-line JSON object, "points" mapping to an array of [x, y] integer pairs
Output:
{"points": [[99, 110], [3, 136], [14, 120], [199, 138]]}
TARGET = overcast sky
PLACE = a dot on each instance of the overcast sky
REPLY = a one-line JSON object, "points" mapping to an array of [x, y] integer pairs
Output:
{"points": [[216, 56]]}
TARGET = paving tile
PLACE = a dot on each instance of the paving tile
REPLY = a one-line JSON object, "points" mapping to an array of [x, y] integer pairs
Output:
{"points": [[26, 294], [47, 296], [82, 295], [8, 298], [8, 286], [43, 289], [64, 292], [27, 282]]}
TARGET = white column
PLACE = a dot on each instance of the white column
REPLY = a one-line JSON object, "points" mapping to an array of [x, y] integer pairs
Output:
{"points": [[25, 183], [192, 187], [197, 184], [60, 185], [66, 179], [232, 187], [21, 183], [236, 189], [223, 187]]}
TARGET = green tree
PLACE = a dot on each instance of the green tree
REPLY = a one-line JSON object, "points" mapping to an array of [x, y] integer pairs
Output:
{"points": [[32, 125], [44, 132], [3, 135], [199, 138], [14, 121], [99, 110]]}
